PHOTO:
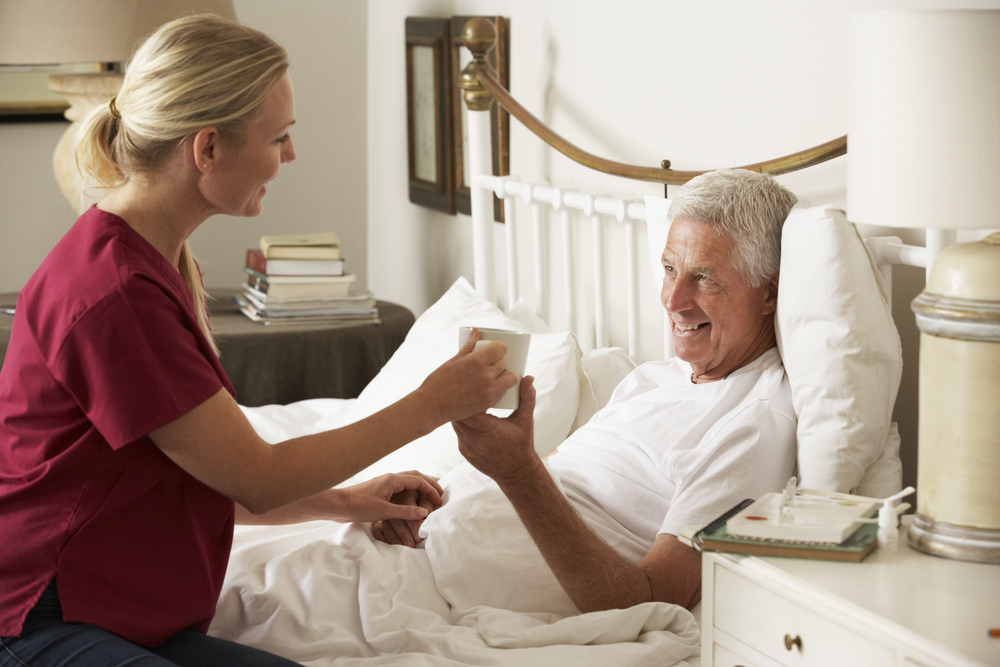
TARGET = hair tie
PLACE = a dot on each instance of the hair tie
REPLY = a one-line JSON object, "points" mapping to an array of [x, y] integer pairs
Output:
{"points": [[113, 109]]}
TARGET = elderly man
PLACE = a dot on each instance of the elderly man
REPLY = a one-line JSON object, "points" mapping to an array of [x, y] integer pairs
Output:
{"points": [[680, 441]]}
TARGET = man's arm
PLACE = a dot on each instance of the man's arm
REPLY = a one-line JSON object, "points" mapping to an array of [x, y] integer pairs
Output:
{"points": [[592, 573]]}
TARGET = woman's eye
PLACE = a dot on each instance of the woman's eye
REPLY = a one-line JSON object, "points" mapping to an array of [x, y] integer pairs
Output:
{"points": [[284, 138]]}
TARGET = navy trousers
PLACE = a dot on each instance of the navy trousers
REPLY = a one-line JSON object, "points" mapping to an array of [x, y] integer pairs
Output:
{"points": [[48, 641]]}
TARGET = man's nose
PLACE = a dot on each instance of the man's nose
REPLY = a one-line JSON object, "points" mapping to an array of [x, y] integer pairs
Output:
{"points": [[676, 295]]}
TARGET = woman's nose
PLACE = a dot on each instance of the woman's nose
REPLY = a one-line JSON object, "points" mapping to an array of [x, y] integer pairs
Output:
{"points": [[288, 151]]}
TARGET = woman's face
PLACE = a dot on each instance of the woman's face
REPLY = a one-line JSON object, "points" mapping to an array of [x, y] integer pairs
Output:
{"points": [[244, 173]]}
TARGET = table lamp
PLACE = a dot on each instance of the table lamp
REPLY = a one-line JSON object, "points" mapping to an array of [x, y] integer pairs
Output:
{"points": [[924, 151], [36, 32]]}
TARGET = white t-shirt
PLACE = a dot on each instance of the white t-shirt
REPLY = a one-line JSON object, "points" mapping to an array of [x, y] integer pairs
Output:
{"points": [[666, 453]]}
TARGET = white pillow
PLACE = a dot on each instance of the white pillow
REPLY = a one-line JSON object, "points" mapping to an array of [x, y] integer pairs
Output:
{"points": [[601, 371], [433, 339], [842, 354], [524, 313]]}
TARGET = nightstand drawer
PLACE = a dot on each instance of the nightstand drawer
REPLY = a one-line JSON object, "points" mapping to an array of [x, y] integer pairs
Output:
{"points": [[787, 633]]}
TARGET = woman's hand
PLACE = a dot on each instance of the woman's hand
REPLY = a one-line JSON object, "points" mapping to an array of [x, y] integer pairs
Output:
{"points": [[408, 496], [418, 504], [469, 383]]}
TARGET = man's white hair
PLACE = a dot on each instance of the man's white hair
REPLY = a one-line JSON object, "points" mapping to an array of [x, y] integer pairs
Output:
{"points": [[747, 206]]}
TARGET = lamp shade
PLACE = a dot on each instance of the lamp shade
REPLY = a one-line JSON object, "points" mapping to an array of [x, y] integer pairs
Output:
{"points": [[924, 119], [34, 32]]}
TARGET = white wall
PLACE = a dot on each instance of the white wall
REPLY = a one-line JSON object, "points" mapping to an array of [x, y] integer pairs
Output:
{"points": [[322, 190], [703, 84]]}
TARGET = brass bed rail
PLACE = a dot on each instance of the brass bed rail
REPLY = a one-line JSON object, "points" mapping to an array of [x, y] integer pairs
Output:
{"points": [[479, 81]]}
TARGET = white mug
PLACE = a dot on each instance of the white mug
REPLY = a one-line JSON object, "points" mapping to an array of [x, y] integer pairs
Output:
{"points": [[517, 343]]}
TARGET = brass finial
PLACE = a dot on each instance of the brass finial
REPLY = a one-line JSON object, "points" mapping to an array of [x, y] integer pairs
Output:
{"points": [[479, 36]]}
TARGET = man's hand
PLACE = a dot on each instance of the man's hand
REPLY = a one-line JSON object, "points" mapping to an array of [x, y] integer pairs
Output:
{"points": [[502, 449]]}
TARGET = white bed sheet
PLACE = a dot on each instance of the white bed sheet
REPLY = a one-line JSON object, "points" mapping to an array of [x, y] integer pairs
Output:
{"points": [[322, 593]]}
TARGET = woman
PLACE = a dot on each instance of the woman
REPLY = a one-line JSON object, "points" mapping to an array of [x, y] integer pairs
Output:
{"points": [[124, 458]]}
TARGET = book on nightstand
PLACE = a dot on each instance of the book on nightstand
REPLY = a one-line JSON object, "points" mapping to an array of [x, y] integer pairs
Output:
{"points": [[271, 266], [301, 278], [300, 287], [317, 245], [307, 315], [803, 515], [859, 542]]}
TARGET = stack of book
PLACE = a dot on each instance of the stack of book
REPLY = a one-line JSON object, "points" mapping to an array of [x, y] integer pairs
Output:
{"points": [[808, 524], [301, 278]]}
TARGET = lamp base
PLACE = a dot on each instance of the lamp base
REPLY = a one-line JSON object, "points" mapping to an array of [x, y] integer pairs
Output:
{"points": [[83, 92], [981, 545]]}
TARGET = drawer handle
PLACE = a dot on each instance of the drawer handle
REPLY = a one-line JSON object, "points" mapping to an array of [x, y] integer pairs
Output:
{"points": [[789, 642]]}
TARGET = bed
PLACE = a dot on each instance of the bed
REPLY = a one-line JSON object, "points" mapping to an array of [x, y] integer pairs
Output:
{"points": [[327, 594]]}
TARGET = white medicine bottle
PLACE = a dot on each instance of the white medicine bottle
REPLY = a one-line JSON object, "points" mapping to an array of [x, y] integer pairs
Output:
{"points": [[888, 528], [888, 521]]}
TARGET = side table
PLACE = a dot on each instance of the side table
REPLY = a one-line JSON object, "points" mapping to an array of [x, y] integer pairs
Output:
{"points": [[903, 609], [284, 363]]}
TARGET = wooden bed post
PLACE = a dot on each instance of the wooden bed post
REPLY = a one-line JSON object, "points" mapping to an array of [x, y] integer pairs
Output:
{"points": [[479, 36]]}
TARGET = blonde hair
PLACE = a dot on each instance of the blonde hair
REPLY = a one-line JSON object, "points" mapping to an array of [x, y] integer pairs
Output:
{"points": [[747, 206], [194, 72]]}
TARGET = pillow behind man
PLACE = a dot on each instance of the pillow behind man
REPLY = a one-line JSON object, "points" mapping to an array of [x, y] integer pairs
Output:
{"points": [[842, 354]]}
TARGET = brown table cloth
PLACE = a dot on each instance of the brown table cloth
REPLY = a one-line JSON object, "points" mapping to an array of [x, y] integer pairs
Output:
{"points": [[290, 362]]}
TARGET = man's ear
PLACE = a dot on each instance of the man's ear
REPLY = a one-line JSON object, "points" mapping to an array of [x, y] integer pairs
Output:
{"points": [[205, 148], [771, 300]]}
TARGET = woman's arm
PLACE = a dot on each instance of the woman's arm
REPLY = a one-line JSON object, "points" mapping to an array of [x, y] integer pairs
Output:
{"points": [[216, 444], [407, 496]]}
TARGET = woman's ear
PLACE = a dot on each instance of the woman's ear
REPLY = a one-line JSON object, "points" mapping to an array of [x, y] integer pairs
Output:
{"points": [[205, 148], [771, 300]]}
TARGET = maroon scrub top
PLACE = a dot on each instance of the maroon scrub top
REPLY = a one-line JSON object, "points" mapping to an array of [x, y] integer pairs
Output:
{"points": [[105, 349]]}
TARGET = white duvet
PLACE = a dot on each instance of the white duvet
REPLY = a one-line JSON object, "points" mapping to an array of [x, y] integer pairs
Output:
{"points": [[476, 592]]}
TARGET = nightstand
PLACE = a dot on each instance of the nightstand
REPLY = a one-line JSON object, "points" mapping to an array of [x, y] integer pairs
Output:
{"points": [[907, 609], [284, 363], [289, 362]]}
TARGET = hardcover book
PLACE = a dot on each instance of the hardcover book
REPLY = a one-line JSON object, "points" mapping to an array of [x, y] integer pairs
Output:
{"points": [[291, 287], [318, 245], [250, 311], [256, 260], [715, 537]]}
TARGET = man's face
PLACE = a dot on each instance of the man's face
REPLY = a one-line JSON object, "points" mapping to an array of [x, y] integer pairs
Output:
{"points": [[719, 323]]}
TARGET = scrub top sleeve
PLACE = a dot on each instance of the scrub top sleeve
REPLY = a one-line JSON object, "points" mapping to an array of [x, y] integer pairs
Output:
{"points": [[136, 361]]}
